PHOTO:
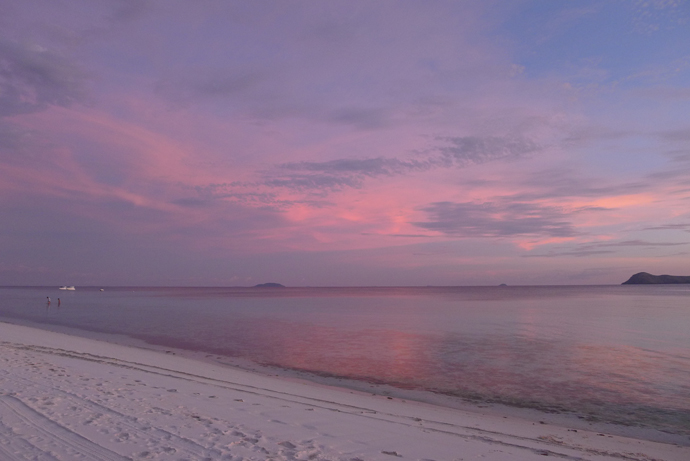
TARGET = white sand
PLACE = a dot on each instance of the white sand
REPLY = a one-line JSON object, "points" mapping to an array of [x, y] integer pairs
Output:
{"points": [[70, 398]]}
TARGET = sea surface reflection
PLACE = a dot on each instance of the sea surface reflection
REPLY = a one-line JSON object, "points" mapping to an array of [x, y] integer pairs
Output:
{"points": [[619, 353]]}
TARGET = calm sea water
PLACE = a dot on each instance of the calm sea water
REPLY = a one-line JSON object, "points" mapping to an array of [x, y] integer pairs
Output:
{"points": [[613, 353]]}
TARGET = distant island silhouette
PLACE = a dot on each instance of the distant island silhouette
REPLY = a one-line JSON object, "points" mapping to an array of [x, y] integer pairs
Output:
{"points": [[645, 278], [269, 285]]}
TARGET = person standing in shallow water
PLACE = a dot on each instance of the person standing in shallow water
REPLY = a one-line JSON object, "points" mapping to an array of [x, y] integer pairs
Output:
{"points": [[58, 302]]}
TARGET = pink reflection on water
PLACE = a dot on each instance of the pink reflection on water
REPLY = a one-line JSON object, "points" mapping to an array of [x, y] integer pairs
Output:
{"points": [[377, 355]]}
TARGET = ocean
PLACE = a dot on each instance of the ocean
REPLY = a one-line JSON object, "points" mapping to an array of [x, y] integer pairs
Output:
{"points": [[614, 354]]}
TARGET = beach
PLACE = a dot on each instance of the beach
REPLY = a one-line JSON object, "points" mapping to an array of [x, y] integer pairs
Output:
{"points": [[65, 398]]}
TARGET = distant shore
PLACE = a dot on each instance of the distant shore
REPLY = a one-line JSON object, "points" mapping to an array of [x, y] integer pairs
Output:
{"points": [[645, 278]]}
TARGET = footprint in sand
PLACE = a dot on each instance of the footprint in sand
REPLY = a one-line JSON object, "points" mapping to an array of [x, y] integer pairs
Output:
{"points": [[289, 445]]}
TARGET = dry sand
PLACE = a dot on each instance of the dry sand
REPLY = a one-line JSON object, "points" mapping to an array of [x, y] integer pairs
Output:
{"points": [[69, 398]]}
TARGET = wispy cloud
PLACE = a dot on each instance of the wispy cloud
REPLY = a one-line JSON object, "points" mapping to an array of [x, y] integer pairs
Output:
{"points": [[453, 152], [13, 139], [216, 85], [599, 248], [474, 150], [676, 226], [497, 219], [654, 15], [370, 167], [361, 117], [679, 135], [33, 78]]}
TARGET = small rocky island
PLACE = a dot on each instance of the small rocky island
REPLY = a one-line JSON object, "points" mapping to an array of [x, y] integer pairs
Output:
{"points": [[269, 285], [645, 278]]}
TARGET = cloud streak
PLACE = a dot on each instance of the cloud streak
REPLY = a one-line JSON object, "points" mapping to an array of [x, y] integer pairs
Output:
{"points": [[604, 248], [474, 150], [455, 152], [496, 219], [33, 78]]}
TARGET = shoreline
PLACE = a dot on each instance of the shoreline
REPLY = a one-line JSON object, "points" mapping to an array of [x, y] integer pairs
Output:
{"points": [[127, 402], [531, 414], [528, 414]]}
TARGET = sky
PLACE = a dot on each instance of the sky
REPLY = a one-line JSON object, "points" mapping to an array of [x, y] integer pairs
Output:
{"points": [[343, 143]]}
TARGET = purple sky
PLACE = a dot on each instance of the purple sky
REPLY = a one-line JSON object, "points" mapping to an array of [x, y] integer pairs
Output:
{"points": [[343, 142]]}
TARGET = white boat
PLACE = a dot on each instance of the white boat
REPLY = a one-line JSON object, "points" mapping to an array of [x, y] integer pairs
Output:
{"points": [[67, 288]]}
